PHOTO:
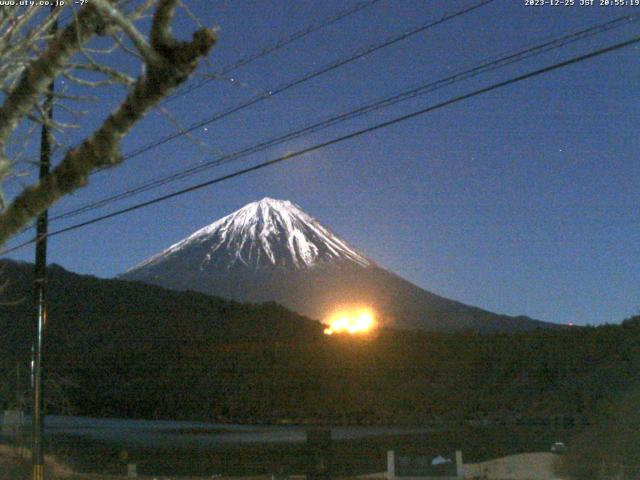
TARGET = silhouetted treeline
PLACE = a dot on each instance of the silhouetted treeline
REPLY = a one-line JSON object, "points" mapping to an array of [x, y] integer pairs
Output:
{"points": [[133, 350]]}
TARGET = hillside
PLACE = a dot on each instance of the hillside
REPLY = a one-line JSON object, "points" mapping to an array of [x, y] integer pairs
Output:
{"points": [[117, 348], [102, 334]]}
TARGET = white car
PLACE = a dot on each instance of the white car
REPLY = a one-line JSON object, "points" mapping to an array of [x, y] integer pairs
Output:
{"points": [[558, 447]]}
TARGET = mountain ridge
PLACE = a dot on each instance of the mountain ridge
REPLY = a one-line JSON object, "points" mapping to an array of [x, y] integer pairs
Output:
{"points": [[271, 250]]}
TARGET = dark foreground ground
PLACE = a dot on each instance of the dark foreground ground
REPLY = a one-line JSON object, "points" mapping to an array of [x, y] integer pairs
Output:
{"points": [[349, 457]]}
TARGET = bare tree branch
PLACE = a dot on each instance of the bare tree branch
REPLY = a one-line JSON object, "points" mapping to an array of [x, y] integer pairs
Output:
{"points": [[171, 64], [39, 73], [127, 26]]}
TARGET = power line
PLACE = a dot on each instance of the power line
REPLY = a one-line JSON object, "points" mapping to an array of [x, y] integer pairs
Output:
{"points": [[340, 139], [364, 109], [326, 69], [281, 43], [305, 78], [277, 46]]}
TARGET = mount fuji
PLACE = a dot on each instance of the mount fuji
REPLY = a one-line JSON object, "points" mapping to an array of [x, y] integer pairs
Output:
{"points": [[271, 250]]}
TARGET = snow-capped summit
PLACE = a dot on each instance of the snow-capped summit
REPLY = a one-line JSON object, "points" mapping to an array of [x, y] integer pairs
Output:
{"points": [[271, 250], [263, 234]]}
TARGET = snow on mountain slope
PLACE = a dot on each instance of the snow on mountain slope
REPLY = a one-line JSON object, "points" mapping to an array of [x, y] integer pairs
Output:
{"points": [[271, 250], [263, 234]]}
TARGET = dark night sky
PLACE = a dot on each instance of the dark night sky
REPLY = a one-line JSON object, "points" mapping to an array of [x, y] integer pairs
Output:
{"points": [[521, 201]]}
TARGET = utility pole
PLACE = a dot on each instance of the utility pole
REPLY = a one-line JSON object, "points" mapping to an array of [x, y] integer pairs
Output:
{"points": [[40, 290]]}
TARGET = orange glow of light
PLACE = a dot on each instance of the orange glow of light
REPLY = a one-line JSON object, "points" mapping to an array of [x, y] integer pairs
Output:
{"points": [[352, 321]]}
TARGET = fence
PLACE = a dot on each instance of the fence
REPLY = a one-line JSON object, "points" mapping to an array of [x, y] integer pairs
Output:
{"points": [[423, 467]]}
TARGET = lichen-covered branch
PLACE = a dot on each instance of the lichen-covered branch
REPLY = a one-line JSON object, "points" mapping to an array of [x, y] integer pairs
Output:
{"points": [[172, 64], [39, 73]]}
